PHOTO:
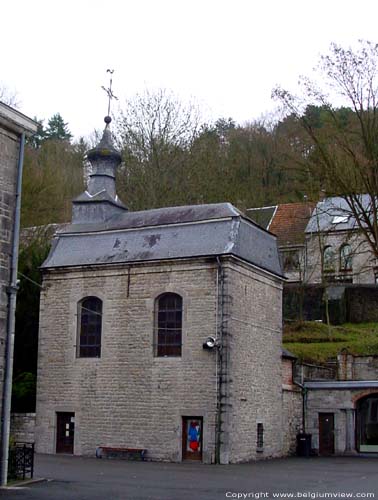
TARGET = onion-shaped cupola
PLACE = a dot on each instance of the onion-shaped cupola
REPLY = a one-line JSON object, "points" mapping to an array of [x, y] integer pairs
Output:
{"points": [[100, 201]]}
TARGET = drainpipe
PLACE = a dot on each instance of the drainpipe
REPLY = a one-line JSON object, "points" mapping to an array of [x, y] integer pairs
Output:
{"points": [[12, 295], [304, 403], [219, 359]]}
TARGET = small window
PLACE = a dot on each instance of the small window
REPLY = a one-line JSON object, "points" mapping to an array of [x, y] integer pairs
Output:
{"points": [[260, 437], [328, 259], [90, 324], [340, 219], [290, 260], [168, 325], [346, 258]]}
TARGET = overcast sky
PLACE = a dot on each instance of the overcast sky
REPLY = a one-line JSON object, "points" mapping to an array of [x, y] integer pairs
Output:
{"points": [[227, 55]]}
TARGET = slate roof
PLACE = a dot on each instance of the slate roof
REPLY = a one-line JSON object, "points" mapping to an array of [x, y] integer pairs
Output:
{"points": [[287, 354], [334, 214], [166, 233], [262, 215]]}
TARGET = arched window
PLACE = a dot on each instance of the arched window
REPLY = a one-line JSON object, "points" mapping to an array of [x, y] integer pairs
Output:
{"points": [[328, 259], [168, 325], [89, 322], [345, 258]]}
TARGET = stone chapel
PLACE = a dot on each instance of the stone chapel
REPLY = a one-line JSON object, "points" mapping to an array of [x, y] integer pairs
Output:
{"points": [[159, 330]]}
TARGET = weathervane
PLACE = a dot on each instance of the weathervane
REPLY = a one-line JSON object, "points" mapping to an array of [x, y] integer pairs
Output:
{"points": [[109, 91]]}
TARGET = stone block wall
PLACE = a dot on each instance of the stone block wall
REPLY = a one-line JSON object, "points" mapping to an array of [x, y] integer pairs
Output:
{"points": [[292, 418], [287, 372], [9, 151], [328, 401], [254, 330], [362, 303], [363, 260], [357, 367], [23, 427], [128, 397]]}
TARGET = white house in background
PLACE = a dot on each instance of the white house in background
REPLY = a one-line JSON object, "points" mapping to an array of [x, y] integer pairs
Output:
{"points": [[336, 245], [320, 242]]}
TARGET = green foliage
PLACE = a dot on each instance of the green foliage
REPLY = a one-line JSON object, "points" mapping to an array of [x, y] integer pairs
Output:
{"points": [[342, 144], [57, 129], [53, 175], [170, 159], [23, 392], [312, 342], [36, 139], [34, 250]]}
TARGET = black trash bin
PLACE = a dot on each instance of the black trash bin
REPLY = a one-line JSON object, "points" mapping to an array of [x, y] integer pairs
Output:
{"points": [[303, 444]]}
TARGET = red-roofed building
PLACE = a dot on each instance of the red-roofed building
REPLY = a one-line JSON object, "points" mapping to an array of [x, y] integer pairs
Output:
{"points": [[288, 222]]}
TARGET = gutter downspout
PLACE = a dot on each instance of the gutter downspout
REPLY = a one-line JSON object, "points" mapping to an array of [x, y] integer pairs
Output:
{"points": [[11, 320], [304, 405], [219, 360]]}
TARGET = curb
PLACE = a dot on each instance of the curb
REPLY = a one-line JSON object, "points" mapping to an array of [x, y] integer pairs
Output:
{"points": [[26, 482]]}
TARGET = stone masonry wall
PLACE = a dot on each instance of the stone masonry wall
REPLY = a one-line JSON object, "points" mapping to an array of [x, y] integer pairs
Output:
{"points": [[291, 417], [127, 397], [254, 331], [328, 401], [287, 372], [9, 150], [362, 258], [23, 427], [292, 408], [130, 398]]}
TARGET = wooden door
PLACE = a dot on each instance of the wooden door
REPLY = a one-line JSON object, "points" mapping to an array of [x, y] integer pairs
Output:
{"points": [[192, 438], [65, 432], [326, 434]]}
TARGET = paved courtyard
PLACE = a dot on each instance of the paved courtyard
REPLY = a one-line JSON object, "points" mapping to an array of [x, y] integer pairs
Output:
{"points": [[78, 478]]}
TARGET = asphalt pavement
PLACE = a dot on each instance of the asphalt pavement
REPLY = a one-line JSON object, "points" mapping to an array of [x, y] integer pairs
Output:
{"points": [[77, 478]]}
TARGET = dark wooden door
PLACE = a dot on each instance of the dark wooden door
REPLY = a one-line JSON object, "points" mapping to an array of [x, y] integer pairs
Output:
{"points": [[326, 434], [192, 438], [65, 432]]}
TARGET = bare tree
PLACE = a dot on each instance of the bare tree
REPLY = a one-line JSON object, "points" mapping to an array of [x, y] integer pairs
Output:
{"points": [[344, 151], [155, 132], [8, 96]]}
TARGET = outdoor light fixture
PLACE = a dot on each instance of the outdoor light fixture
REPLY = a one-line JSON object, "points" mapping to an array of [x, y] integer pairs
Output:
{"points": [[210, 343]]}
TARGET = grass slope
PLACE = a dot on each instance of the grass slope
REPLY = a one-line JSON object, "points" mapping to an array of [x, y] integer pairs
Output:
{"points": [[312, 342]]}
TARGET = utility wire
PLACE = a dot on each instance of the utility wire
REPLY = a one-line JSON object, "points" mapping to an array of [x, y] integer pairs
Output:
{"points": [[31, 281]]}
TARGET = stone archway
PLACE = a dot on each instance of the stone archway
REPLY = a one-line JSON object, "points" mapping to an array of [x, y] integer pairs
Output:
{"points": [[367, 423]]}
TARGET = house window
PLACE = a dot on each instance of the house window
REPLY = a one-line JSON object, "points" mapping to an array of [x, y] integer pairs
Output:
{"points": [[290, 260], [168, 325], [346, 258], [328, 259], [90, 323]]}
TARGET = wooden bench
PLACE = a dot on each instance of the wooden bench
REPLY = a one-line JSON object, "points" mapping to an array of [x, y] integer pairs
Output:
{"points": [[121, 453]]}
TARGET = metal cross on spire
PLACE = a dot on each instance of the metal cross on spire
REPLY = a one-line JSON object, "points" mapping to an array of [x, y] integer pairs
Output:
{"points": [[109, 91]]}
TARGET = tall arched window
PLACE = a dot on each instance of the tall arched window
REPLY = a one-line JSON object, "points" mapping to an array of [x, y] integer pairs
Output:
{"points": [[90, 323], [168, 325], [346, 258], [328, 259]]}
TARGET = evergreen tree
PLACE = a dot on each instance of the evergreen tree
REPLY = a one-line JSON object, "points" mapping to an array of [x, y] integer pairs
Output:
{"points": [[36, 139], [57, 129]]}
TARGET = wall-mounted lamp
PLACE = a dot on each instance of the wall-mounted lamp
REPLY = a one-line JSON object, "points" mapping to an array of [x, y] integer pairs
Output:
{"points": [[210, 343]]}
